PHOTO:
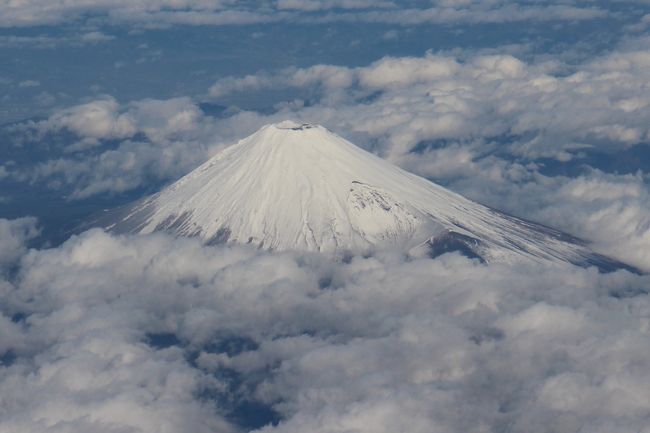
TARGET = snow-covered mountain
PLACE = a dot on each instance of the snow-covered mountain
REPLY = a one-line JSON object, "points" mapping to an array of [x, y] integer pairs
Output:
{"points": [[299, 186]]}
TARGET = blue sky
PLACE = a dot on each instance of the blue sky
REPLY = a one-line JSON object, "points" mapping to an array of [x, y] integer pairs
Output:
{"points": [[538, 108]]}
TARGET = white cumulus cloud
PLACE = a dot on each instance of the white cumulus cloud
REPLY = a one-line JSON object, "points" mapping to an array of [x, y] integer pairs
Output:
{"points": [[157, 334]]}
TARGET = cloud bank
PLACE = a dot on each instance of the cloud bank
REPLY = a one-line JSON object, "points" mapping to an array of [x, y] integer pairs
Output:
{"points": [[548, 111], [151, 334], [155, 334]]}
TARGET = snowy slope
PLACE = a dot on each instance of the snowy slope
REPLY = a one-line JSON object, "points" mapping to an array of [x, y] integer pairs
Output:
{"points": [[292, 186]]}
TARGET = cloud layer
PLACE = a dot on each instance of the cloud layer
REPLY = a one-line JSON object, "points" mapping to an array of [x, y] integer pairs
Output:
{"points": [[228, 12], [549, 110], [158, 334]]}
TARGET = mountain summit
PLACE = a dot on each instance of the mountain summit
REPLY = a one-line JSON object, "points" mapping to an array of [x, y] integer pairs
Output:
{"points": [[299, 186]]}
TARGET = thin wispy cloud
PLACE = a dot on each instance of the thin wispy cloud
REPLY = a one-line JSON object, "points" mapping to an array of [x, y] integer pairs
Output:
{"points": [[156, 13]]}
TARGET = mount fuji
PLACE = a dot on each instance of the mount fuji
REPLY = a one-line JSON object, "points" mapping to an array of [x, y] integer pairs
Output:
{"points": [[292, 186]]}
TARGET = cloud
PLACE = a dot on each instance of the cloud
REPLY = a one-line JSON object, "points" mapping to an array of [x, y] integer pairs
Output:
{"points": [[311, 5], [105, 119], [29, 83], [94, 37], [227, 12], [472, 13], [50, 42], [117, 334], [152, 333], [14, 235], [157, 140], [94, 120], [549, 113], [610, 210], [327, 77], [156, 13]]}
